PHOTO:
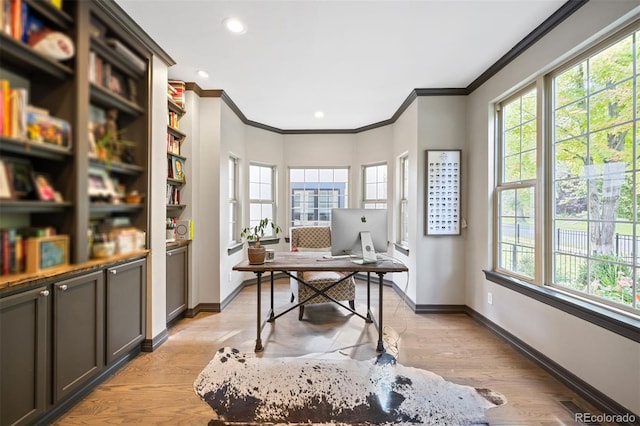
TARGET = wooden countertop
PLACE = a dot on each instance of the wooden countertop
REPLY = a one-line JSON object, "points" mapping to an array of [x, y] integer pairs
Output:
{"points": [[15, 281]]}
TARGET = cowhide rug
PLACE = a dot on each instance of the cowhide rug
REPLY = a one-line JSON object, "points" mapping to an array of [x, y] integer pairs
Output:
{"points": [[333, 388]]}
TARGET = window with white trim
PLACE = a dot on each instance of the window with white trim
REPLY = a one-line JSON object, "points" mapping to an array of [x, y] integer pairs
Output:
{"points": [[403, 206], [314, 192], [234, 232], [261, 195], [591, 174], [374, 186]]}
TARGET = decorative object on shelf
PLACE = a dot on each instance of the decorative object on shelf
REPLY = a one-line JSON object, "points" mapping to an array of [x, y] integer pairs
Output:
{"points": [[178, 168], [43, 128], [21, 180], [442, 198], [47, 252], [53, 44], [43, 186], [100, 186], [184, 229], [133, 197], [256, 253], [6, 188], [103, 249]]}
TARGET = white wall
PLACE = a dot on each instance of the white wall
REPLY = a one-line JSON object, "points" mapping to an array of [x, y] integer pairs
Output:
{"points": [[157, 266], [405, 142], [207, 176], [440, 272], [604, 359]]}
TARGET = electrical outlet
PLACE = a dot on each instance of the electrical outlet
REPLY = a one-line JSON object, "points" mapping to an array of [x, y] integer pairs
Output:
{"points": [[490, 298]]}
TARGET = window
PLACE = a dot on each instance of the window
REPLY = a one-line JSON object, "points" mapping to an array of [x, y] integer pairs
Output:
{"points": [[234, 233], [374, 181], [261, 195], [314, 192], [404, 201], [592, 175], [517, 184]]}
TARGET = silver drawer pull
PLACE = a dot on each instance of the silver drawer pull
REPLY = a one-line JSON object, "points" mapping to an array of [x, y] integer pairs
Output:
{"points": [[113, 272], [63, 287], [44, 293], [169, 254]]}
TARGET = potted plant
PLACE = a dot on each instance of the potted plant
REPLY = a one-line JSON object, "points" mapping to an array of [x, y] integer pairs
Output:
{"points": [[256, 252]]}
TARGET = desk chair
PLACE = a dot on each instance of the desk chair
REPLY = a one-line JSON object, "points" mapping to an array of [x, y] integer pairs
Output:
{"points": [[318, 238]]}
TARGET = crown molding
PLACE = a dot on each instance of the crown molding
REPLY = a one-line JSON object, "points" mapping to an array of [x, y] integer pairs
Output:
{"points": [[566, 10], [115, 12]]}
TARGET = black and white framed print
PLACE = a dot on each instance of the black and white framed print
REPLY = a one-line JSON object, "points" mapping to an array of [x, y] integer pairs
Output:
{"points": [[442, 192]]}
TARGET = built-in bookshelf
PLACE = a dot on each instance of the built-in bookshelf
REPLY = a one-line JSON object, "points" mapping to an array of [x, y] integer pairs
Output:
{"points": [[74, 134], [176, 175]]}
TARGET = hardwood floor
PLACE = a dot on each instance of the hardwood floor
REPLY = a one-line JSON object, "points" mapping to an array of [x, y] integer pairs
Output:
{"points": [[156, 388]]}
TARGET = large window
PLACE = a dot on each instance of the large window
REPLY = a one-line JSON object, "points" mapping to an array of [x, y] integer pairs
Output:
{"points": [[314, 192], [234, 233], [374, 181], [592, 177], [261, 195], [517, 184], [403, 233]]}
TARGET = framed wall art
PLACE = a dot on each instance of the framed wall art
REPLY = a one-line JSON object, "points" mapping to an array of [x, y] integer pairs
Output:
{"points": [[442, 192]]}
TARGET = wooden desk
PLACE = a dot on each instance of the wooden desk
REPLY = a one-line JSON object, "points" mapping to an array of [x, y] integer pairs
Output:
{"points": [[286, 263]]}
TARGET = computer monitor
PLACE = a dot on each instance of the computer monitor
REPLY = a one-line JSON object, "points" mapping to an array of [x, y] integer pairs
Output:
{"points": [[347, 224]]}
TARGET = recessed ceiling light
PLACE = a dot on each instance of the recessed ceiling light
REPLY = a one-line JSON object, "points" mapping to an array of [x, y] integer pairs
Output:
{"points": [[235, 26], [319, 114], [203, 74]]}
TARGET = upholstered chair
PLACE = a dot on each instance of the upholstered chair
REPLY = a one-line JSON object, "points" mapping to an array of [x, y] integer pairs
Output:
{"points": [[318, 238]]}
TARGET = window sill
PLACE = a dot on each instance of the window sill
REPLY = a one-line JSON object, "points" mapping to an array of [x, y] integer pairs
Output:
{"points": [[401, 248], [618, 323], [234, 248]]}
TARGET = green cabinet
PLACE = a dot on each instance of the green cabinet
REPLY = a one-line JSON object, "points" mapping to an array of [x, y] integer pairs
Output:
{"points": [[125, 307], [177, 261], [24, 356], [59, 339], [78, 332]]}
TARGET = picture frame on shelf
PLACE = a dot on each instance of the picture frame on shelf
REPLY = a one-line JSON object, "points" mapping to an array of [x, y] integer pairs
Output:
{"points": [[47, 252], [100, 184], [45, 129], [6, 188], [178, 168], [20, 178], [44, 188]]}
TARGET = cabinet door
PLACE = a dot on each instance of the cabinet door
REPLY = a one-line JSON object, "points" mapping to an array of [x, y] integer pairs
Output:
{"points": [[126, 307], [78, 332], [176, 282], [23, 356]]}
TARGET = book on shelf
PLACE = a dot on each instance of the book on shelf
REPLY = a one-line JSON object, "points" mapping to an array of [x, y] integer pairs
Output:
{"points": [[177, 92], [13, 243], [173, 144], [173, 195], [135, 61], [173, 120], [13, 105]]}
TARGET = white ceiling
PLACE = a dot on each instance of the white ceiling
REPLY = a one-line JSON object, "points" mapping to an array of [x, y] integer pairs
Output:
{"points": [[356, 61]]}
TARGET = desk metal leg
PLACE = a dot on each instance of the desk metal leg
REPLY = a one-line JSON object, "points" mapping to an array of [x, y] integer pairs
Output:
{"points": [[368, 296], [259, 347], [380, 347], [271, 314]]}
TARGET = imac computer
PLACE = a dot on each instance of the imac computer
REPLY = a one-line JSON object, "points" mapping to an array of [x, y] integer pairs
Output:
{"points": [[359, 233]]}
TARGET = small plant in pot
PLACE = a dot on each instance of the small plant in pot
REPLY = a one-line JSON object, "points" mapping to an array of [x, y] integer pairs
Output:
{"points": [[256, 252]]}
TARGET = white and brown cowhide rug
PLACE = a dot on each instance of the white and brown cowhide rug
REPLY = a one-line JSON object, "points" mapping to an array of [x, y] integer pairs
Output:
{"points": [[333, 388]]}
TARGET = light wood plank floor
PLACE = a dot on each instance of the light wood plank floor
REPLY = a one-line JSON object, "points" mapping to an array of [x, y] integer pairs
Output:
{"points": [[156, 388]]}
